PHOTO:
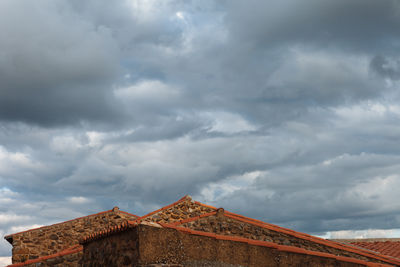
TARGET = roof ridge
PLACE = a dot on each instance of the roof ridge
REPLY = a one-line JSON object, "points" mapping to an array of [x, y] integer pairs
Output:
{"points": [[349, 248], [205, 205], [301, 235], [293, 249], [139, 219], [133, 223], [67, 251], [194, 218], [114, 229], [45, 226], [128, 213], [313, 238], [271, 245], [184, 198]]}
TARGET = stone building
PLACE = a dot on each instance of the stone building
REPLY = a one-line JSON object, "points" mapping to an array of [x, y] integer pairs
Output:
{"points": [[185, 233], [62, 238]]}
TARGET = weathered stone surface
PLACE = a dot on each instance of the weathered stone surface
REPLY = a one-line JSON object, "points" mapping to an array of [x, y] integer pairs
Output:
{"points": [[55, 238], [183, 210], [228, 226], [147, 246], [70, 260]]}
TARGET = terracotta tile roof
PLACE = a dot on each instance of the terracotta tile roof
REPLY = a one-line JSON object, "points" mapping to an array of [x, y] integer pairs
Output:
{"points": [[333, 244], [385, 246], [349, 248], [115, 229], [9, 237], [125, 225], [272, 245], [68, 251]]}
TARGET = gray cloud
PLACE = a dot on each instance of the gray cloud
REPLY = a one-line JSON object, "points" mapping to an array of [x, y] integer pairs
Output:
{"points": [[284, 111], [385, 67]]}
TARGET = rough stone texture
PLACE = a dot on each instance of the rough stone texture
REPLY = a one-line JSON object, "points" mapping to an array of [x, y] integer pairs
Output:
{"points": [[55, 238], [151, 246], [70, 260], [121, 249], [222, 225], [180, 211]]}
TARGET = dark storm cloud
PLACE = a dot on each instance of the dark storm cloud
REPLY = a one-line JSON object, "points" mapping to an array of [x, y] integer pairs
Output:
{"points": [[60, 60], [55, 67], [350, 25], [286, 111], [386, 68]]}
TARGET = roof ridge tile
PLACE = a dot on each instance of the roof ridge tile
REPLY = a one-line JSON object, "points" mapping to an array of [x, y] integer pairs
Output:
{"points": [[272, 245], [301, 235]]}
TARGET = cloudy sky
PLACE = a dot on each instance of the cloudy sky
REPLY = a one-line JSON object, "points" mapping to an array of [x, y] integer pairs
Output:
{"points": [[286, 111]]}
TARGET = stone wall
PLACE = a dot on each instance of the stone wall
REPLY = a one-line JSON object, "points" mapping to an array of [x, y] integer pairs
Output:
{"points": [[121, 249], [51, 239], [179, 211], [68, 260], [223, 225], [151, 246]]}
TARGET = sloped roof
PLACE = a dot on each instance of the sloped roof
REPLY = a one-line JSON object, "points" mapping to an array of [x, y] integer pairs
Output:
{"points": [[10, 236], [337, 245], [385, 246], [186, 199], [272, 245], [275, 246], [146, 219]]}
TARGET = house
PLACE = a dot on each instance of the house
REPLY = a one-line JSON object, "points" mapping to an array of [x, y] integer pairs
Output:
{"points": [[190, 233], [62, 237]]}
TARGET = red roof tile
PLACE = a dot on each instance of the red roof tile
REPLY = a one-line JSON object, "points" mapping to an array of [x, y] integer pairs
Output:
{"points": [[272, 245], [390, 248], [349, 248], [305, 236]]}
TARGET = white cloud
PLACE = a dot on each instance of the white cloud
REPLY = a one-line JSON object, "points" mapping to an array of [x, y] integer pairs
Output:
{"points": [[212, 192], [369, 233], [21, 228], [78, 200], [226, 122], [6, 218], [4, 261], [149, 90]]}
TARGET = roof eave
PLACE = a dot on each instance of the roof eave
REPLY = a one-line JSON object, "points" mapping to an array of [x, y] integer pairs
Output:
{"points": [[9, 238]]}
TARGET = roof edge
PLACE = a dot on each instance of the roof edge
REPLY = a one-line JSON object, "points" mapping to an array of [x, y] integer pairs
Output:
{"points": [[273, 245], [290, 249], [184, 198], [9, 236], [337, 245]]}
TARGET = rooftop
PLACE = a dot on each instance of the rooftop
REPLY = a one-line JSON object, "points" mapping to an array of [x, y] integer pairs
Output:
{"points": [[9, 237], [385, 246]]}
